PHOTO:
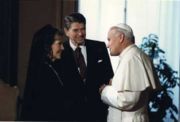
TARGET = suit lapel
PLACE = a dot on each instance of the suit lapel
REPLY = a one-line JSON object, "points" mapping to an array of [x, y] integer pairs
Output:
{"points": [[90, 56], [70, 58], [69, 55], [88, 51]]}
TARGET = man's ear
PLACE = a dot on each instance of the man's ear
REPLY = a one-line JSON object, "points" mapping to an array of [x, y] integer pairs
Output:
{"points": [[122, 37]]}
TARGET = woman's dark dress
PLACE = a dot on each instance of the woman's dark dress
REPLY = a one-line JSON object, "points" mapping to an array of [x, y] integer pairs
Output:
{"points": [[44, 95]]}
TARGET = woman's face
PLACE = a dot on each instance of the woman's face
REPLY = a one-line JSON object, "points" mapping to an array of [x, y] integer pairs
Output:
{"points": [[57, 47]]}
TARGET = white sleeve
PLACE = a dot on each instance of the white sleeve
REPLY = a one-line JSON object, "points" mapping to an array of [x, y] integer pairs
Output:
{"points": [[125, 100]]}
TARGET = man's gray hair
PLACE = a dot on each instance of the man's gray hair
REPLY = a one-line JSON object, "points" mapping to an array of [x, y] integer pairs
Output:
{"points": [[126, 30]]}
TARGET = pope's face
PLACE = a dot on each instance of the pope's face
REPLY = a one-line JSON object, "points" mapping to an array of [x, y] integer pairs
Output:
{"points": [[76, 33], [114, 44]]}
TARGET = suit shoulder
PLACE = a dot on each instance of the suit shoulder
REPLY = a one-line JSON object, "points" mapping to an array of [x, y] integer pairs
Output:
{"points": [[95, 42], [66, 43]]}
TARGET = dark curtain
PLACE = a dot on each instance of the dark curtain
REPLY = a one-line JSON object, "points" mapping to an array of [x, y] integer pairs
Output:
{"points": [[8, 40]]}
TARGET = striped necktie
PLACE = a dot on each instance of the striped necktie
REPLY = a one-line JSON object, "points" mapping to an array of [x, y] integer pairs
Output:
{"points": [[80, 62]]}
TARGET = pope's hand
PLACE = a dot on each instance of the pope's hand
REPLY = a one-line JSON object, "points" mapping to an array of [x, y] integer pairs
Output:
{"points": [[101, 88], [110, 82]]}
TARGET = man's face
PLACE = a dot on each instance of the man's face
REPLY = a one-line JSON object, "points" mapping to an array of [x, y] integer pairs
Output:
{"points": [[114, 43], [76, 33]]}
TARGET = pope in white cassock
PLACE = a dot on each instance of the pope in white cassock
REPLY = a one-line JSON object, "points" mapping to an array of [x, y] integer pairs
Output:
{"points": [[134, 79]]}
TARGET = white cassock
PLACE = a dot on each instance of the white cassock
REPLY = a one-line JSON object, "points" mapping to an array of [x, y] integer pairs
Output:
{"points": [[127, 97]]}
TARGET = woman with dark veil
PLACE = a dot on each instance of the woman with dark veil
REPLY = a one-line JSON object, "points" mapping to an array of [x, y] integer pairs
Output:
{"points": [[44, 89]]}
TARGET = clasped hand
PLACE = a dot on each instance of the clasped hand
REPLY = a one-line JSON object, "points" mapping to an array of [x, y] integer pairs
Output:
{"points": [[103, 86]]}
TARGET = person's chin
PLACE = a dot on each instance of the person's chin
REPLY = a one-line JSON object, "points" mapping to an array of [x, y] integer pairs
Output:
{"points": [[112, 54], [58, 57], [81, 42]]}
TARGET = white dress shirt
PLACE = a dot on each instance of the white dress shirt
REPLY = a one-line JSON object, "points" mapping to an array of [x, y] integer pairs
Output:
{"points": [[83, 50]]}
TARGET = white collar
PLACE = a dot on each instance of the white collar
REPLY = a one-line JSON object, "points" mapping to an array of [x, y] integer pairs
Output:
{"points": [[74, 46], [126, 50]]}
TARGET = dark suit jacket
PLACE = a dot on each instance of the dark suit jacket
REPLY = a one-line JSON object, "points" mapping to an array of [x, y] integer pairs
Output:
{"points": [[83, 98]]}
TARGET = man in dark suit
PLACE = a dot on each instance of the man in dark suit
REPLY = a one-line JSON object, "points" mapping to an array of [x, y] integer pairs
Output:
{"points": [[83, 76]]}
